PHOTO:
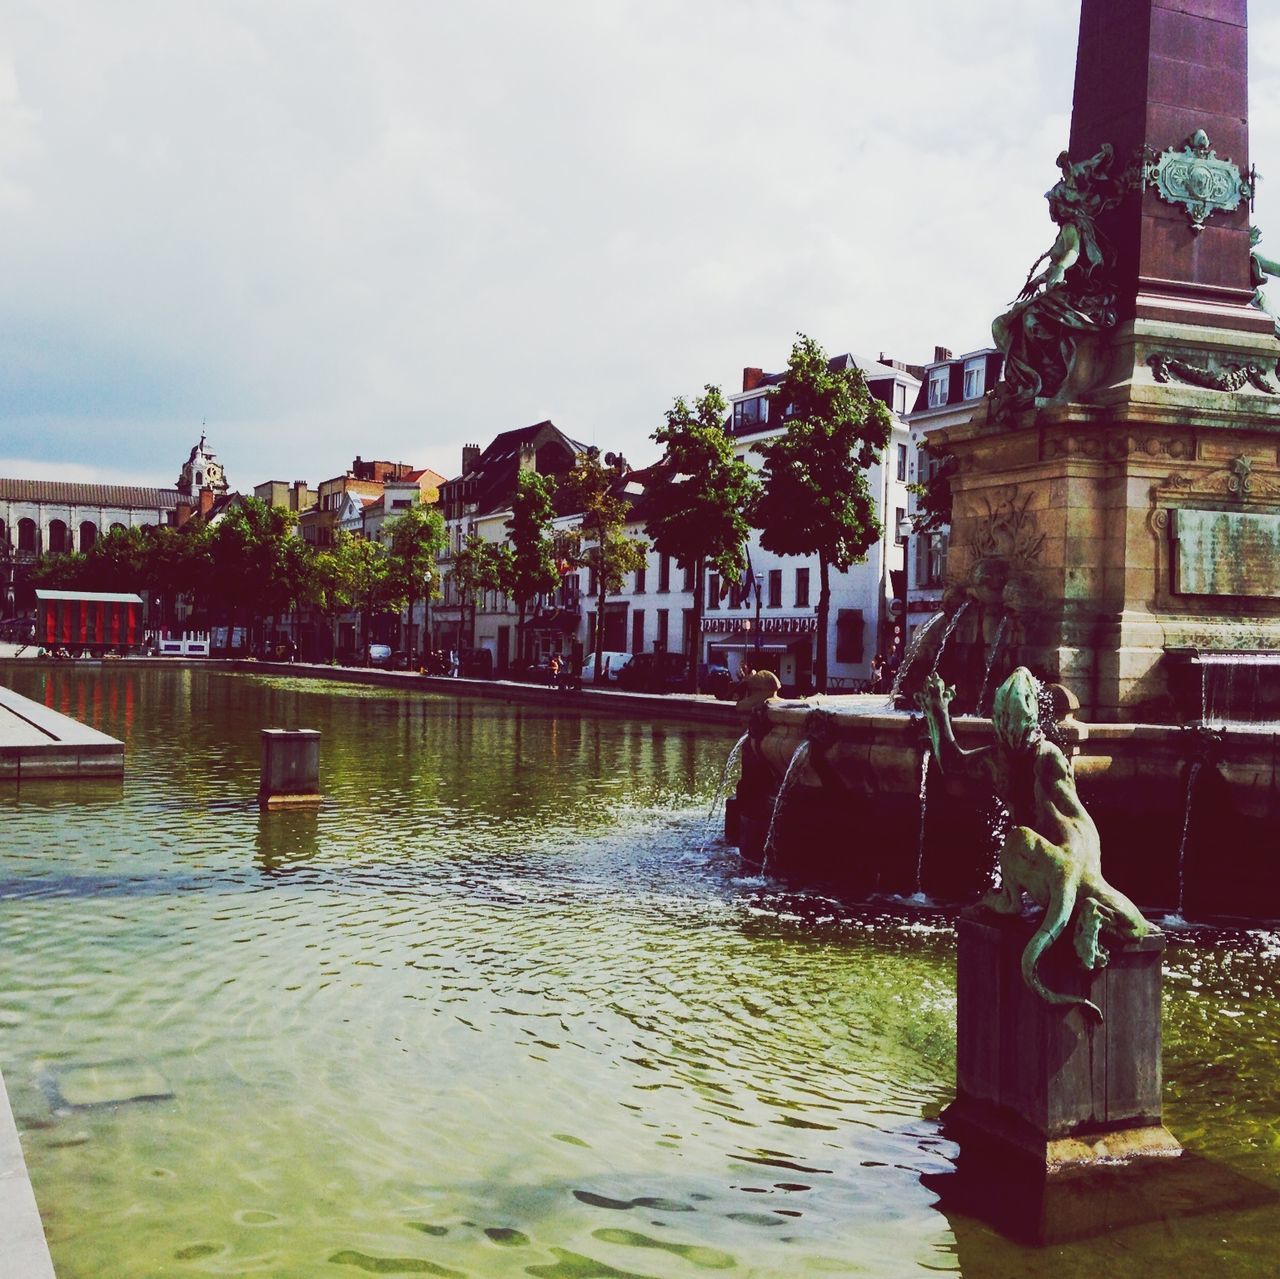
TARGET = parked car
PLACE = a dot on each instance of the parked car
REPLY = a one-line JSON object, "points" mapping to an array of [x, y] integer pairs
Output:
{"points": [[655, 673], [716, 680], [379, 654], [611, 665]]}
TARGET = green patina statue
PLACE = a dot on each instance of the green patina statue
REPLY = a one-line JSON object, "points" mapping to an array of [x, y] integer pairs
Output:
{"points": [[1052, 852], [1072, 295]]}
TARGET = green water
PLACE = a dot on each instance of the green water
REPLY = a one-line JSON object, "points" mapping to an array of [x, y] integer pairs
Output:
{"points": [[495, 1010]]}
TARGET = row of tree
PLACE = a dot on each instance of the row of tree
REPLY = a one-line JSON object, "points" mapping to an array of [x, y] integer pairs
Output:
{"points": [[810, 497]]}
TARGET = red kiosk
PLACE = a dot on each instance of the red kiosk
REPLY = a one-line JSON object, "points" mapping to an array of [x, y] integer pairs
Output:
{"points": [[96, 620]]}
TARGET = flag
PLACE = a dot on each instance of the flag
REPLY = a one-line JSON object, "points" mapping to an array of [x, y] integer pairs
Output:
{"points": [[749, 577]]}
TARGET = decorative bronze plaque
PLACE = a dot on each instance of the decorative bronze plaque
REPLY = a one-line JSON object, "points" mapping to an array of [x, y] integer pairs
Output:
{"points": [[1226, 553], [1196, 179]]}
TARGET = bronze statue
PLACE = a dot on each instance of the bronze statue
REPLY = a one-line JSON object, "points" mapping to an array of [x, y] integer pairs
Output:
{"points": [[1072, 295], [1052, 852]]}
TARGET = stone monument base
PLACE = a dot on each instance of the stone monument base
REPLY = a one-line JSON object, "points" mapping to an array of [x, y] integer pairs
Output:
{"points": [[1043, 1084]]}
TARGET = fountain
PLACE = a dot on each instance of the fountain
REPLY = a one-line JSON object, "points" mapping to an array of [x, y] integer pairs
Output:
{"points": [[1115, 518]]}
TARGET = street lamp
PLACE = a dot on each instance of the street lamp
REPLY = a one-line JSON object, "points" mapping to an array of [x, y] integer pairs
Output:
{"points": [[427, 579]]}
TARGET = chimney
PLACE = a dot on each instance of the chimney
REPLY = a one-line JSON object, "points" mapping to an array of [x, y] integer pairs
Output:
{"points": [[206, 501], [752, 378], [470, 456], [182, 512], [940, 353]]}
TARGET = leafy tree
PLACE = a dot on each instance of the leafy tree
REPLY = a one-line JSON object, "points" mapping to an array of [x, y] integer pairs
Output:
{"points": [[695, 501], [250, 568], [815, 498], [479, 566], [67, 571], [601, 541], [531, 569], [933, 492], [414, 541]]}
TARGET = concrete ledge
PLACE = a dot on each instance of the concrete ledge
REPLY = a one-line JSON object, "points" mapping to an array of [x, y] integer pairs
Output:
{"points": [[36, 742], [24, 1254]]}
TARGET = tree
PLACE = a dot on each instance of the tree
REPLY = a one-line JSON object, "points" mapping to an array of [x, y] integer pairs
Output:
{"points": [[601, 541], [250, 567], [531, 569], [415, 540], [815, 499], [695, 502], [479, 566]]}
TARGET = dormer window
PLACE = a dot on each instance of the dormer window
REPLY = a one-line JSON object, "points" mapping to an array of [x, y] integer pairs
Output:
{"points": [[750, 415], [939, 385], [975, 377]]}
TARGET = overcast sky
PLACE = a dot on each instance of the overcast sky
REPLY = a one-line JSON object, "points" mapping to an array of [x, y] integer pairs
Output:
{"points": [[394, 228]]}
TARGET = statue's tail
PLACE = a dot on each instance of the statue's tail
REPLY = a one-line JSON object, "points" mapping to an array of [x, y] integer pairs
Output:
{"points": [[1061, 904]]}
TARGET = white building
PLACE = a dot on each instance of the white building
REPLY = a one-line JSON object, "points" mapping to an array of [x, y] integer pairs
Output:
{"points": [[950, 392], [778, 627]]}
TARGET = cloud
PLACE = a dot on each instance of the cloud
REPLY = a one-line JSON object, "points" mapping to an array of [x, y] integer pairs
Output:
{"points": [[336, 229]]}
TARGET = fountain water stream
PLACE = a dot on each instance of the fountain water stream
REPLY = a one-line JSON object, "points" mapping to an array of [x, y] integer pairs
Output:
{"points": [[991, 661], [1192, 773], [919, 894], [798, 760], [735, 754]]}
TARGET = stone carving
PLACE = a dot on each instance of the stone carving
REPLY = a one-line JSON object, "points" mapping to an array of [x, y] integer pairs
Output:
{"points": [[1052, 852], [1195, 178], [1111, 446], [1237, 480], [1072, 295], [1230, 377]]}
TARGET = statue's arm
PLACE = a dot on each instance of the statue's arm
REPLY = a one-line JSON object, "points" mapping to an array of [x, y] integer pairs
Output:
{"points": [[1063, 255], [934, 699]]}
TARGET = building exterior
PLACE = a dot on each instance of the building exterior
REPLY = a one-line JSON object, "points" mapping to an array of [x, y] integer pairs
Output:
{"points": [[479, 501], [950, 389], [296, 497], [340, 500], [771, 619]]}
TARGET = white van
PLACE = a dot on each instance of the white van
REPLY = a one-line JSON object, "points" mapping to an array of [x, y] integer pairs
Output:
{"points": [[610, 665]]}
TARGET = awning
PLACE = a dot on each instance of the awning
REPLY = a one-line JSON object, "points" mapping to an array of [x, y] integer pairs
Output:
{"points": [[770, 642]]}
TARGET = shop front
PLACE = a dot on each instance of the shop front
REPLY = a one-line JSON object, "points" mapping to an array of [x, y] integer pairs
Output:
{"points": [[783, 645]]}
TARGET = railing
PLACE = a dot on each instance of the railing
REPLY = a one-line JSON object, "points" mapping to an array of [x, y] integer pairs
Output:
{"points": [[188, 644]]}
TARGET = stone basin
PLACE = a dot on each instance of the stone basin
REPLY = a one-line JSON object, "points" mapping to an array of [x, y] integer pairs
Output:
{"points": [[1188, 816]]}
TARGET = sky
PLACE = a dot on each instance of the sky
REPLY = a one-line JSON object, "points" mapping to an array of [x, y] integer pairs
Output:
{"points": [[326, 229]]}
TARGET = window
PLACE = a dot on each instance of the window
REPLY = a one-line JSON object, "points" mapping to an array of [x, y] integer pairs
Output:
{"points": [[640, 573], [713, 590], [899, 398], [750, 415], [591, 580], [660, 636], [902, 464], [939, 385], [802, 588], [664, 575], [687, 569], [59, 542], [975, 377], [637, 630], [931, 559], [775, 588]]}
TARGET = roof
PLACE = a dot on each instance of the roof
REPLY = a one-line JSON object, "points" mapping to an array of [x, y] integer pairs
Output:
{"points": [[872, 370], [416, 477], [91, 597], [493, 474], [75, 493]]}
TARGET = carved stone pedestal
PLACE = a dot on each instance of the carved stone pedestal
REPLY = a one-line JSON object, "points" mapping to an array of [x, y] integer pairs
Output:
{"points": [[1043, 1084]]}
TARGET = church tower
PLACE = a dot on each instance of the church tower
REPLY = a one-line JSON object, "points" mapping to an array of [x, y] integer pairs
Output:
{"points": [[202, 470]]}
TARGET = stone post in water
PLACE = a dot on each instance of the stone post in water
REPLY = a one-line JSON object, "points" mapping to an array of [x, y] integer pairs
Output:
{"points": [[290, 767]]}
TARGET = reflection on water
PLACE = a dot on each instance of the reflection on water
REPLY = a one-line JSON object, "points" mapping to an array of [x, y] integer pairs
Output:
{"points": [[488, 1012]]}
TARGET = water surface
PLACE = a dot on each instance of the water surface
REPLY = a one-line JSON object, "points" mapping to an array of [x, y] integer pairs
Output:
{"points": [[501, 1008]]}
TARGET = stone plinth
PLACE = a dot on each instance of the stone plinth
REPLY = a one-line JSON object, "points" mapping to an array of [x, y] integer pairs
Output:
{"points": [[290, 767], [1043, 1082]]}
